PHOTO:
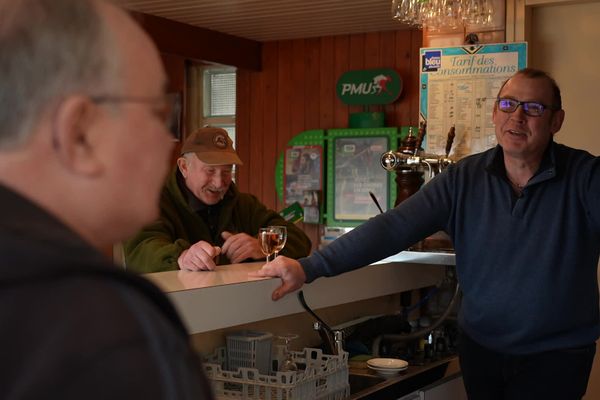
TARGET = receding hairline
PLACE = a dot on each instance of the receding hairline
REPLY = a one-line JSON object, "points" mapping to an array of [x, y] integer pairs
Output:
{"points": [[121, 25], [533, 73]]}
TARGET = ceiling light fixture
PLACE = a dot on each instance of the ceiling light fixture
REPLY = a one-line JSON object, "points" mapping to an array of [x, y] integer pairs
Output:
{"points": [[443, 14]]}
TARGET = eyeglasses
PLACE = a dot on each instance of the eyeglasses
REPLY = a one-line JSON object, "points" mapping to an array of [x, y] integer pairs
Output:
{"points": [[166, 107], [531, 108]]}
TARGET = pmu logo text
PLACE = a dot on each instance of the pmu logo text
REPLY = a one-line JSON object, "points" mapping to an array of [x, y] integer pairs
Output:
{"points": [[369, 86], [376, 86]]}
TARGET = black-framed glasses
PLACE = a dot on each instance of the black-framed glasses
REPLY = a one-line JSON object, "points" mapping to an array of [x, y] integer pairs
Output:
{"points": [[531, 108]]}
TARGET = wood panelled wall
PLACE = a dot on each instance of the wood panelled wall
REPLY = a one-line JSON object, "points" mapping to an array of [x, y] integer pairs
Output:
{"points": [[295, 91], [197, 43]]}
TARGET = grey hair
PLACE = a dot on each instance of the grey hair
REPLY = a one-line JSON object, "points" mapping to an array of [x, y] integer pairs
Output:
{"points": [[49, 49], [189, 156]]}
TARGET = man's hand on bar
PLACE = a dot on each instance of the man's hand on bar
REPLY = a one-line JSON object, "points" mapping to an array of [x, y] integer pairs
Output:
{"points": [[289, 270], [240, 246], [199, 257]]}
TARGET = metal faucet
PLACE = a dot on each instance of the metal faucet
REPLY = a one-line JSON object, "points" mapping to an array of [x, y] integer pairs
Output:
{"points": [[332, 340], [332, 345]]}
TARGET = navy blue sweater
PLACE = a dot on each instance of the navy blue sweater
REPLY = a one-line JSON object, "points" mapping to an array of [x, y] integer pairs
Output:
{"points": [[527, 265]]}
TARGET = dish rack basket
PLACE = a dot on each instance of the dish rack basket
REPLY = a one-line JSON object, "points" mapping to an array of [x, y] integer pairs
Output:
{"points": [[249, 349], [319, 377]]}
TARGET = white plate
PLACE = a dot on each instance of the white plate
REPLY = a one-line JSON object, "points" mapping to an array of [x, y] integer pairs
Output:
{"points": [[387, 367], [387, 363], [386, 372]]}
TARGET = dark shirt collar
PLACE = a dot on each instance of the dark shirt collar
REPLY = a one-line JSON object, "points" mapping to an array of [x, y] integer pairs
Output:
{"points": [[496, 164]]}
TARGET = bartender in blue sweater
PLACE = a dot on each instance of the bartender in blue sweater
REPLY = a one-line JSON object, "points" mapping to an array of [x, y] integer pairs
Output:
{"points": [[524, 218]]}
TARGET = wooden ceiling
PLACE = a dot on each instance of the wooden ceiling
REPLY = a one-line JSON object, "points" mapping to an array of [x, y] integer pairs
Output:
{"points": [[269, 20]]}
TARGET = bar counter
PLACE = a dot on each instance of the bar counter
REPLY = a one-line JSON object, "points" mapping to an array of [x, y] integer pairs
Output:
{"points": [[210, 300]]}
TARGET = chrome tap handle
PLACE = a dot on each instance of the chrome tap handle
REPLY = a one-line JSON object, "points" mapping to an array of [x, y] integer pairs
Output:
{"points": [[392, 160], [450, 140], [339, 341], [421, 136], [429, 168]]}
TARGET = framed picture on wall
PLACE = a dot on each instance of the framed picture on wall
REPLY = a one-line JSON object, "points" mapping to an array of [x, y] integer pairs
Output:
{"points": [[354, 172], [303, 172], [358, 172]]}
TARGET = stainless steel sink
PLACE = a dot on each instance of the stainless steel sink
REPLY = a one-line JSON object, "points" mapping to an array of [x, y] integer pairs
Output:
{"points": [[360, 382]]}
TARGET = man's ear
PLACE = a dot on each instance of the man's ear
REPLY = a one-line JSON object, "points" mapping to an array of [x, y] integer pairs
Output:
{"points": [[71, 135], [557, 120], [183, 166]]}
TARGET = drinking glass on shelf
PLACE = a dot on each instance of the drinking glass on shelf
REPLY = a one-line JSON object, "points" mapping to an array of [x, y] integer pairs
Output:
{"points": [[288, 364], [281, 232]]}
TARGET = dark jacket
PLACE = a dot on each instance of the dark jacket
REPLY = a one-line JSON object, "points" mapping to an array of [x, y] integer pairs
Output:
{"points": [[74, 326], [527, 264], [158, 246]]}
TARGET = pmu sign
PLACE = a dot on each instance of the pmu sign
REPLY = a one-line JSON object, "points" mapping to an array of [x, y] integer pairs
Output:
{"points": [[369, 86]]}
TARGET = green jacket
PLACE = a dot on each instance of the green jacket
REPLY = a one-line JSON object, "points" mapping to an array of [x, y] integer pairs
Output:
{"points": [[158, 246]]}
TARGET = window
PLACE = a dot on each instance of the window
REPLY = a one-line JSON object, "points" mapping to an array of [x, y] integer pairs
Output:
{"points": [[218, 98]]}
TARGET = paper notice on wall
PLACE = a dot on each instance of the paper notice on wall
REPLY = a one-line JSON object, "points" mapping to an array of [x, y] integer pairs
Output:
{"points": [[358, 172], [459, 86]]}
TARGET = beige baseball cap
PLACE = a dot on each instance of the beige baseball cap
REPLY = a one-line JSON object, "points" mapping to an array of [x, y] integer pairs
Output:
{"points": [[212, 146]]}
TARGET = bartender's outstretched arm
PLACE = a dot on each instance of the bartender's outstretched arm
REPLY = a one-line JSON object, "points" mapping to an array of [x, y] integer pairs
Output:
{"points": [[289, 270]]}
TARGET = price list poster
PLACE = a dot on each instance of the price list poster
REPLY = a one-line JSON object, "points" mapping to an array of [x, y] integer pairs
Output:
{"points": [[459, 87]]}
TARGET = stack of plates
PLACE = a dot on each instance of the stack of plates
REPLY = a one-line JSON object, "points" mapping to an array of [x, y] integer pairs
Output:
{"points": [[387, 366]]}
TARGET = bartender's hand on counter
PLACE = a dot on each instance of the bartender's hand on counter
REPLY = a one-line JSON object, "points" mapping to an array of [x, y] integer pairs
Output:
{"points": [[240, 246], [199, 257], [289, 270]]}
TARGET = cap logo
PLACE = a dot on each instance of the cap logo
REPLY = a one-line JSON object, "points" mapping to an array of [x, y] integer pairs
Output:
{"points": [[220, 141]]}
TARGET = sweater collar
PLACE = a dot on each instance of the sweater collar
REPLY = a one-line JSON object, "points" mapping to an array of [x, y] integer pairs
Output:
{"points": [[546, 170]]}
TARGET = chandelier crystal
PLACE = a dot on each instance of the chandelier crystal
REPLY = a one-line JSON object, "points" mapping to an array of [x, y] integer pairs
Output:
{"points": [[438, 14]]}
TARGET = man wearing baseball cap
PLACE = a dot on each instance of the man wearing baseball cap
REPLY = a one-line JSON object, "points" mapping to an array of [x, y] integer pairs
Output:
{"points": [[205, 221]]}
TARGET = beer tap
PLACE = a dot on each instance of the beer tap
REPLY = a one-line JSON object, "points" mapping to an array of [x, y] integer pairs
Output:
{"points": [[421, 136], [450, 139], [393, 161]]}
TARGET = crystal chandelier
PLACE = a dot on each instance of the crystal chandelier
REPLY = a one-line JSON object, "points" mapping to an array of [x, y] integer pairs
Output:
{"points": [[438, 14]]}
